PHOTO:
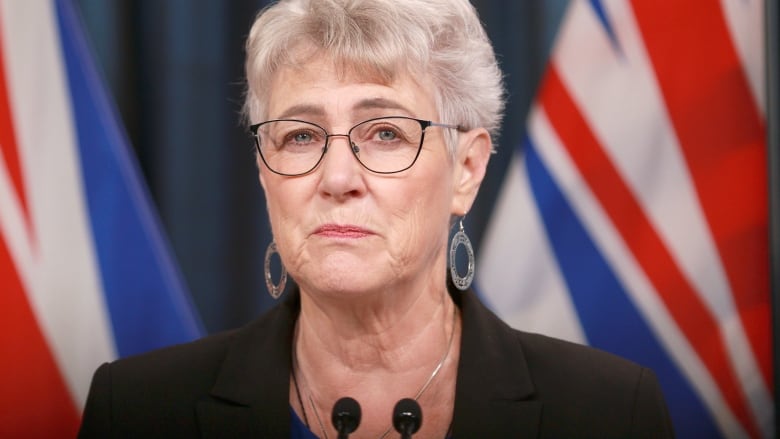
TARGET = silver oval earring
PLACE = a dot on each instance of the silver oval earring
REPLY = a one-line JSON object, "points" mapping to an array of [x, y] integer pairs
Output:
{"points": [[461, 282], [274, 290]]}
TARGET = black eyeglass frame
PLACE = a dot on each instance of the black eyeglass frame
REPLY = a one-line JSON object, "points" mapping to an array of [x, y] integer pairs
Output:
{"points": [[352, 145]]}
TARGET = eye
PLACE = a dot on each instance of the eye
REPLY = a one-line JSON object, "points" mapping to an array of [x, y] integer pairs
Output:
{"points": [[299, 137], [387, 134], [302, 137]]}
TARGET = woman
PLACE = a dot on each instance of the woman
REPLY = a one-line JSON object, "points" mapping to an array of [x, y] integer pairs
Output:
{"points": [[373, 122]]}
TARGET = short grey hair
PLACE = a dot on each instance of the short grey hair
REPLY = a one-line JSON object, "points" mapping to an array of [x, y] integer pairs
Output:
{"points": [[443, 40]]}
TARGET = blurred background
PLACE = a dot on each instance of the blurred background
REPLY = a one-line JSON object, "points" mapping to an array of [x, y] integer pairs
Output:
{"points": [[175, 70]]}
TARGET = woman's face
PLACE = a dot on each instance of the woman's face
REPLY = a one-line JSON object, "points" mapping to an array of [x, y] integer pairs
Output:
{"points": [[343, 229]]}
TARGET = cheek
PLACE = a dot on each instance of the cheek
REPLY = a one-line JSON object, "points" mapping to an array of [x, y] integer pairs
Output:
{"points": [[285, 227], [282, 203], [284, 195], [420, 220], [291, 203]]}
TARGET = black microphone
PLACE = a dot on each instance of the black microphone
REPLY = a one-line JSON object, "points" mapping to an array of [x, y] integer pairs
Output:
{"points": [[345, 416], [407, 417]]}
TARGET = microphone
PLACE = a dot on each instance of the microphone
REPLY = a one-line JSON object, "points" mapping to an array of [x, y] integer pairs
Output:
{"points": [[345, 416], [407, 417]]}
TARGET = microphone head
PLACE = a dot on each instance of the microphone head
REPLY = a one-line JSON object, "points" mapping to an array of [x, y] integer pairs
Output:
{"points": [[346, 415], [407, 416]]}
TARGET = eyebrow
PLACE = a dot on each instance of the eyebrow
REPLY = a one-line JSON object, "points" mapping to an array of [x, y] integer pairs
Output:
{"points": [[364, 104], [380, 103], [302, 109]]}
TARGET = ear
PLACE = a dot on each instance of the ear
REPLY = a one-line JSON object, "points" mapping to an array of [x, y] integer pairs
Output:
{"points": [[471, 159]]}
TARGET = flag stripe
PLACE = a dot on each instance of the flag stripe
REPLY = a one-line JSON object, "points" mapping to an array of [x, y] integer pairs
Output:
{"points": [[31, 375], [594, 287], [606, 23], [722, 141], [627, 216], [746, 27], [119, 215], [8, 137]]}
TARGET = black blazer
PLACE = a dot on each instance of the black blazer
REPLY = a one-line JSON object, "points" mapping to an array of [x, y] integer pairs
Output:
{"points": [[510, 384]]}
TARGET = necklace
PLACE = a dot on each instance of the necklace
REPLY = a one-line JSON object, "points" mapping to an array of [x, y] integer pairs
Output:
{"points": [[298, 393], [423, 388]]}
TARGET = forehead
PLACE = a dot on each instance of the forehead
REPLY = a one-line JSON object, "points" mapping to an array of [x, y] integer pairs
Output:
{"points": [[322, 90]]}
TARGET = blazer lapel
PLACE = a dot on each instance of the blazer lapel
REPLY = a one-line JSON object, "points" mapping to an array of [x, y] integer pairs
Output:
{"points": [[493, 396], [250, 397]]}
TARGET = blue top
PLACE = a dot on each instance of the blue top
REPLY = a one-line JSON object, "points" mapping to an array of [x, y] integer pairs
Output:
{"points": [[299, 430]]}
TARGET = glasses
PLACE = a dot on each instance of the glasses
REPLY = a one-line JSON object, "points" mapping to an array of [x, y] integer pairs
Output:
{"points": [[384, 145]]}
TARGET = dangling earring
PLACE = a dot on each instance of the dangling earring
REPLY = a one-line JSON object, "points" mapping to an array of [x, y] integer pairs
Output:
{"points": [[274, 290], [461, 282]]}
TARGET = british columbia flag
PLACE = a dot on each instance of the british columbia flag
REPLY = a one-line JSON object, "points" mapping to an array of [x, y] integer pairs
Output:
{"points": [[85, 275], [634, 216]]}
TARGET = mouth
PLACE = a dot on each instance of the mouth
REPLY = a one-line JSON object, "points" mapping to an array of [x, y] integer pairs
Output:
{"points": [[342, 231]]}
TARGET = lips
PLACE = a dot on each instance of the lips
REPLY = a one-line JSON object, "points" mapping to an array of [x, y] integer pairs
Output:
{"points": [[342, 231]]}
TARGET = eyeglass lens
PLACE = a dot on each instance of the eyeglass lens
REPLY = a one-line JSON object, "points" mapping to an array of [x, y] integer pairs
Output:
{"points": [[384, 145]]}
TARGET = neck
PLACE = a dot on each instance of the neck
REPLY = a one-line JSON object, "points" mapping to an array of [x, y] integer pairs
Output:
{"points": [[373, 332], [409, 351]]}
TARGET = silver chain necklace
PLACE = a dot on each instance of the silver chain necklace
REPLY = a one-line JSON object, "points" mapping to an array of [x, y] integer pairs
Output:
{"points": [[308, 388]]}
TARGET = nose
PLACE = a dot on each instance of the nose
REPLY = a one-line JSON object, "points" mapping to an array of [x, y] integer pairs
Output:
{"points": [[355, 148], [341, 175]]}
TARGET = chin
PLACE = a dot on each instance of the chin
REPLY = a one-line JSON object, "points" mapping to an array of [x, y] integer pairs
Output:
{"points": [[352, 274], [352, 284], [348, 284]]}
